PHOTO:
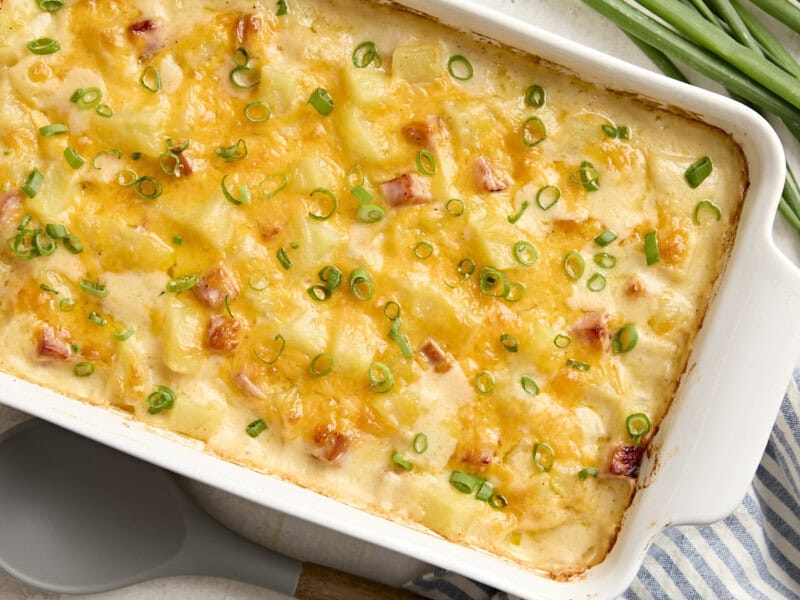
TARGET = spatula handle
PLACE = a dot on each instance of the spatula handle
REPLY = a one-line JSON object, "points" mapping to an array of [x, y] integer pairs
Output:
{"points": [[321, 583]]}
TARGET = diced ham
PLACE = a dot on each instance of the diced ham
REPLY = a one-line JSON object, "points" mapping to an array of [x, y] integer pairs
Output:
{"points": [[223, 333], [635, 287], [53, 343], [487, 178], [593, 329], [407, 190], [215, 284], [331, 444], [626, 460], [417, 133], [150, 35], [441, 361], [244, 27], [10, 206], [429, 134], [246, 386]]}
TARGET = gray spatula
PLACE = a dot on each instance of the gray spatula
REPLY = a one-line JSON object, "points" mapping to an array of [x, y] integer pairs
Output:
{"points": [[79, 517]]}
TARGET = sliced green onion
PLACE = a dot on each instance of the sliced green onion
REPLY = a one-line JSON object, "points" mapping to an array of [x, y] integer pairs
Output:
{"points": [[369, 213], [484, 382], [83, 369], [493, 283], [321, 101], [66, 304], [241, 57], [181, 284], [465, 267], [391, 310], [605, 260], [284, 259], [426, 163], [586, 176], [176, 147], [577, 365], [283, 8], [87, 98], [147, 187], [124, 335], [331, 276], [227, 304], [535, 96], [584, 474], [625, 339], [522, 208], [127, 177], [361, 284], [605, 238], [177, 240], [484, 492], [244, 77], [356, 171], [244, 193], [637, 426], [401, 462], [93, 288], [454, 207], [258, 281], [334, 204], [47, 288], [533, 132], [529, 385], [73, 244], [516, 291], [596, 283], [465, 482], [423, 250], [281, 346], [237, 151], [574, 265], [365, 54], [698, 171], [543, 456], [50, 5], [151, 79], [43, 46], [33, 183], [547, 197], [74, 160], [525, 253], [460, 68], [104, 110], [53, 129], [283, 182], [562, 341], [256, 428], [361, 193], [509, 343], [321, 365], [420, 443], [44, 244], [651, 248], [257, 111], [609, 130], [114, 152], [706, 206], [318, 292], [380, 378], [400, 339], [161, 399], [498, 501], [97, 319]]}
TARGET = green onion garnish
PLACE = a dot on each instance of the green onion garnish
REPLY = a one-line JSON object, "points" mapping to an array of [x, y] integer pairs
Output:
{"points": [[256, 428], [258, 281], [420, 443], [426, 163], [124, 335], [53, 129], [282, 180], [242, 75], [547, 197], [257, 111], [522, 208], [596, 283], [516, 291], [360, 193], [637, 426], [493, 283], [177, 240], [622, 132], [625, 339], [535, 96], [331, 276], [533, 132], [529, 385], [543, 456], [484, 492], [454, 207], [227, 304], [423, 250], [465, 482], [605, 238], [87, 98], [43, 46], [586, 176], [369, 213], [237, 151], [498, 501], [380, 378], [50, 5], [104, 110], [321, 101], [33, 183], [321, 365], [355, 176], [127, 177], [391, 310], [698, 171], [44, 244], [562, 341], [708, 207], [114, 152], [509, 343], [605, 260], [484, 382], [574, 265], [83, 369], [460, 68], [150, 79], [577, 365], [525, 253], [334, 204], [400, 339], [244, 193], [74, 160], [284, 259], [97, 319], [93, 288], [401, 462], [318, 292], [361, 284], [587, 472], [47, 288], [147, 187], [365, 54], [161, 399], [66, 304], [281, 346], [283, 8], [651, 248], [73, 244], [181, 284]]}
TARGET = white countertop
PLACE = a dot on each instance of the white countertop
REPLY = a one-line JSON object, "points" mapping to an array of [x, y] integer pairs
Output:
{"points": [[301, 540]]}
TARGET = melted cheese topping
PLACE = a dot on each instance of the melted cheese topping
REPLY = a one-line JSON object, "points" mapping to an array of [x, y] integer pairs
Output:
{"points": [[215, 350]]}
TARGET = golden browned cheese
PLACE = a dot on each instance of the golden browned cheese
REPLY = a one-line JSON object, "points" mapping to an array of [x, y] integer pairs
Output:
{"points": [[405, 287]]}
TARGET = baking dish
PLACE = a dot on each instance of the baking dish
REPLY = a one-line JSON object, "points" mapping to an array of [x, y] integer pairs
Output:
{"points": [[559, 55]]}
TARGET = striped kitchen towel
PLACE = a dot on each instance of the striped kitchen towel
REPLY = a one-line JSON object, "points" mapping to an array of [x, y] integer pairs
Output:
{"points": [[754, 553]]}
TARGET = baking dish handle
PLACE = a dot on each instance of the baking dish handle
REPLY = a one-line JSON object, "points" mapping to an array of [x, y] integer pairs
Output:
{"points": [[719, 444]]}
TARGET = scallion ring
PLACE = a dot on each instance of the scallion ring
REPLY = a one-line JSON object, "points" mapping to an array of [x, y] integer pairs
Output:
{"points": [[484, 382], [360, 193], [533, 132], [151, 79], [454, 207], [400, 339], [651, 252], [334, 204], [625, 339], [127, 177], [97, 319], [244, 193], [562, 341], [391, 310], [516, 291], [147, 187], [543, 457], [66, 304], [50, 5], [423, 250], [53, 129], [87, 98], [93, 288], [281, 181], [484, 492], [284, 259], [493, 282], [596, 283], [241, 57], [33, 183], [465, 267], [83, 369], [361, 284], [509, 343], [465, 482], [707, 207], [420, 443], [498, 501], [44, 244], [283, 8], [116, 153], [321, 101], [357, 172], [584, 474], [525, 253], [73, 244], [460, 68], [426, 163], [281, 346], [182, 283], [331, 276], [56, 230], [258, 281], [586, 176], [43, 46], [547, 197], [104, 110], [399, 460], [365, 54], [321, 365], [257, 111], [529, 385], [319, 292], [698, 171], [244, 77], [605, 238], [605, 260], [577, 365], [380, 378], [232, 153], [74, 160], [637, 425], [535, 96], [518, 215], [256, 428], [369, 213], [574, 265], [161, 399], [124, 335]]}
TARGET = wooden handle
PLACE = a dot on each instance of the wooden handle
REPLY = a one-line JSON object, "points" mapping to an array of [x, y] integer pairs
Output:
{"points": [[321, 583]]}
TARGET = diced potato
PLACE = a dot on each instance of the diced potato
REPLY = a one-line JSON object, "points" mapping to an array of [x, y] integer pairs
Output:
{"points": [[182, 337], [317, 239], [470, 121], [129, 379], [492, 239], [122, 247], [210, 218], [417, 63], [446, 510], [136, 128], [306, 331], [309, 173], [281, 87], [367, 86], [364, 140], [55, 196], [197, 412], [354, 345]]}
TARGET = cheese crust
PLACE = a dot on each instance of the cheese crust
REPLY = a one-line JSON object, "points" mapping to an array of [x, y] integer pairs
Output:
{"points": [[390, 283]]}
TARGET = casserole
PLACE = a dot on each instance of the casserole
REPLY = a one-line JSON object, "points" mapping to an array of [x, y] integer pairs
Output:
{"points": [[751, 163]]}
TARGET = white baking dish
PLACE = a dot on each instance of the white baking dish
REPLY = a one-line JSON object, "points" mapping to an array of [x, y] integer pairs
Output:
{"points": [[708, 447]]}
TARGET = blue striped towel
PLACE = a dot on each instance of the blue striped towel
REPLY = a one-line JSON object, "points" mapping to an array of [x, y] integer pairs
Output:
{"points": [[754, 553]]}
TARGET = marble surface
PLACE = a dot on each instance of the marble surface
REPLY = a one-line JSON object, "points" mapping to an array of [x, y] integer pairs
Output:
{"points": [[307, 542]]}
